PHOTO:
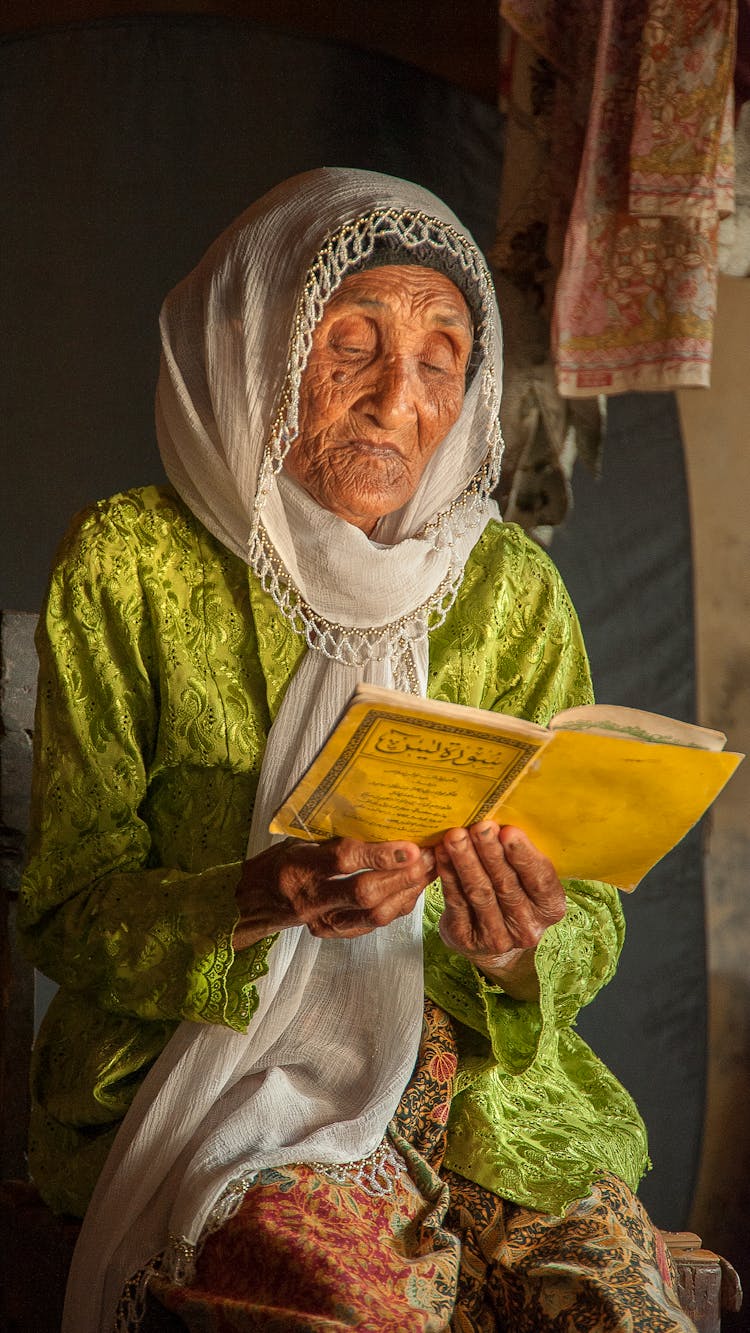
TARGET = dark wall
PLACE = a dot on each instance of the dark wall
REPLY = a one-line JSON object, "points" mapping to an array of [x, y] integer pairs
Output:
{"points": [[625, 554], [127, 147], [460, 45]]}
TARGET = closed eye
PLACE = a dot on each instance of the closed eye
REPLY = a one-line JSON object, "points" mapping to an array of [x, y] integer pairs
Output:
{"points": [[350, 349]]}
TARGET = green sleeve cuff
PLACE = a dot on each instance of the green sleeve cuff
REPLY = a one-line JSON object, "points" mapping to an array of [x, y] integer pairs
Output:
{"points": [[153, 944], [495, 1028], [220, 987], [241, 994], [574, 958]]}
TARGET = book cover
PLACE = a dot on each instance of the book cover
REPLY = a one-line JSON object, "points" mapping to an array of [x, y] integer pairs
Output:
{"points": [[604, 802]]}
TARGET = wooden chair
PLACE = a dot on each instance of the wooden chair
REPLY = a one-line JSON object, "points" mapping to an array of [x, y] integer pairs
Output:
{"points": [[35, 1245]]}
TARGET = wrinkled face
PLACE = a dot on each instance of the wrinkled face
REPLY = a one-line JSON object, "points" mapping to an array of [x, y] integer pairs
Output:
{"points": [[382, 387]]}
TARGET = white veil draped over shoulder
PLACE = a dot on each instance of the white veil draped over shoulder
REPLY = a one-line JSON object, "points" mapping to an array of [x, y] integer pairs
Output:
{"points": [[332, 1045]]}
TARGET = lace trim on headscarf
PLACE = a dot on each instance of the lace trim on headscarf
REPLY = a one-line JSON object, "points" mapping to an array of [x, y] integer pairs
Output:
{"points": [[347, 251], [345, 643]]}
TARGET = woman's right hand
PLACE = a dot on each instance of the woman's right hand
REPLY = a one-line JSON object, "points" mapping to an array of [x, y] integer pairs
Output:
{"points": [[338, 889]]}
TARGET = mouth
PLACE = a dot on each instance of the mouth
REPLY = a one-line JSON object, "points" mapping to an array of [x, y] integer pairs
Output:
{"points": [[372, 448]]}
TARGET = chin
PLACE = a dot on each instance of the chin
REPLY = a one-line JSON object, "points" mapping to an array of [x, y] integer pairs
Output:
{"points": [[368, 506]]}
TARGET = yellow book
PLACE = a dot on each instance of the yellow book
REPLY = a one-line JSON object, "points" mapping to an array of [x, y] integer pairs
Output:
{"points": [[605, 792]]}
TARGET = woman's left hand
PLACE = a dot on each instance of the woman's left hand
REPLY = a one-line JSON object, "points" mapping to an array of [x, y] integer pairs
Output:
{"points": [[501, 894]]}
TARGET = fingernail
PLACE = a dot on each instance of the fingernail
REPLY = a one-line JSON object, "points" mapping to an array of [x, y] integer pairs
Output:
{"points": [[400, 856], [485, 832]]}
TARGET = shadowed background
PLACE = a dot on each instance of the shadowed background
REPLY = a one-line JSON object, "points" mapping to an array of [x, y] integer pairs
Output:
{"points": [[128, 144]]}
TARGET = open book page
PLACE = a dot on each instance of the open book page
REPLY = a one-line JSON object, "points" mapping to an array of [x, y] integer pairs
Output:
{"points": [[609, 807], [401, 767], [613, 720], [416, 707], [602, 802]]}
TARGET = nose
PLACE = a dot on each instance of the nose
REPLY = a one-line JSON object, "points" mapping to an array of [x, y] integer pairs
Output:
{"points": [[390, 399]]}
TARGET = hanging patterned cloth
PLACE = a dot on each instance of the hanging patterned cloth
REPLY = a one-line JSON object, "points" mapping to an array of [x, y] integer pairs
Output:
{"points": [[619, 165], [734, 232]]}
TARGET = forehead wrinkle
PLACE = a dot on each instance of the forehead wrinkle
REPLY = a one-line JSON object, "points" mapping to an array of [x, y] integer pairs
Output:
{"points": [[444, 314], [443, 318]]}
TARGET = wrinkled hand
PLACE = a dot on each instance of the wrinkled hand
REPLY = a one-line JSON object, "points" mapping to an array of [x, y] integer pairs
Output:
{"points": [[500, 895], [295, 883]]}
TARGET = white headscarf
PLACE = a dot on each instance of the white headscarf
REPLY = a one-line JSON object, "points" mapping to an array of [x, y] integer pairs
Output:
{"points": [[333, 1042]]}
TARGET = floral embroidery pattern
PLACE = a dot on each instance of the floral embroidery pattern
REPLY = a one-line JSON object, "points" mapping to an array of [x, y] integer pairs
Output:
{"points": [[305, 1254], [599, 1269]]}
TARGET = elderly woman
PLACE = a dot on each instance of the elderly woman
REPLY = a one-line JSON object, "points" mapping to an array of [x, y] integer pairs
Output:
{"points": [[297, 1086]]}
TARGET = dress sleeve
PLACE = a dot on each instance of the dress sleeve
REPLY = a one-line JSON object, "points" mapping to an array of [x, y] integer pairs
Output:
{"points": [[96, 913], [574, 959], [534, 666]]}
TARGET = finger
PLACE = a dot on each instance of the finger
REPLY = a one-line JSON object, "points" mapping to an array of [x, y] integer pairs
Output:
{"points": [[373, 888], [453, 894], [507, 887], [476, 884], [348, 922], [529, 895], [370, 888], [320, 877], [504, 917], [458, 926], [342, 925], [347, 856], [536, 873]]}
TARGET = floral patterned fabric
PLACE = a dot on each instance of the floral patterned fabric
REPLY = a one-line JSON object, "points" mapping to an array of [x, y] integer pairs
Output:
{"points": [[162, 665], [635, 298], [600, 1269], [433, 1252]]}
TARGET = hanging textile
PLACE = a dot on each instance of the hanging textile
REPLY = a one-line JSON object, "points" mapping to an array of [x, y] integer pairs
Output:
{"points": [[619, 163], [734, 231], [742, 62], [635, 304]]}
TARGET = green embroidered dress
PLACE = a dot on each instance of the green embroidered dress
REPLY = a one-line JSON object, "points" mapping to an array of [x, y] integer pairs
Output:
{"points": [[162, 665]]}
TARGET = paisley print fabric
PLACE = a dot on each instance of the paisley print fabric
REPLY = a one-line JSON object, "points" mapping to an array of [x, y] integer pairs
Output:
{"points": [[162, 665], [637, 98], [307, 1253], [599, 1269], [304, 1253], [434, 1252]]}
